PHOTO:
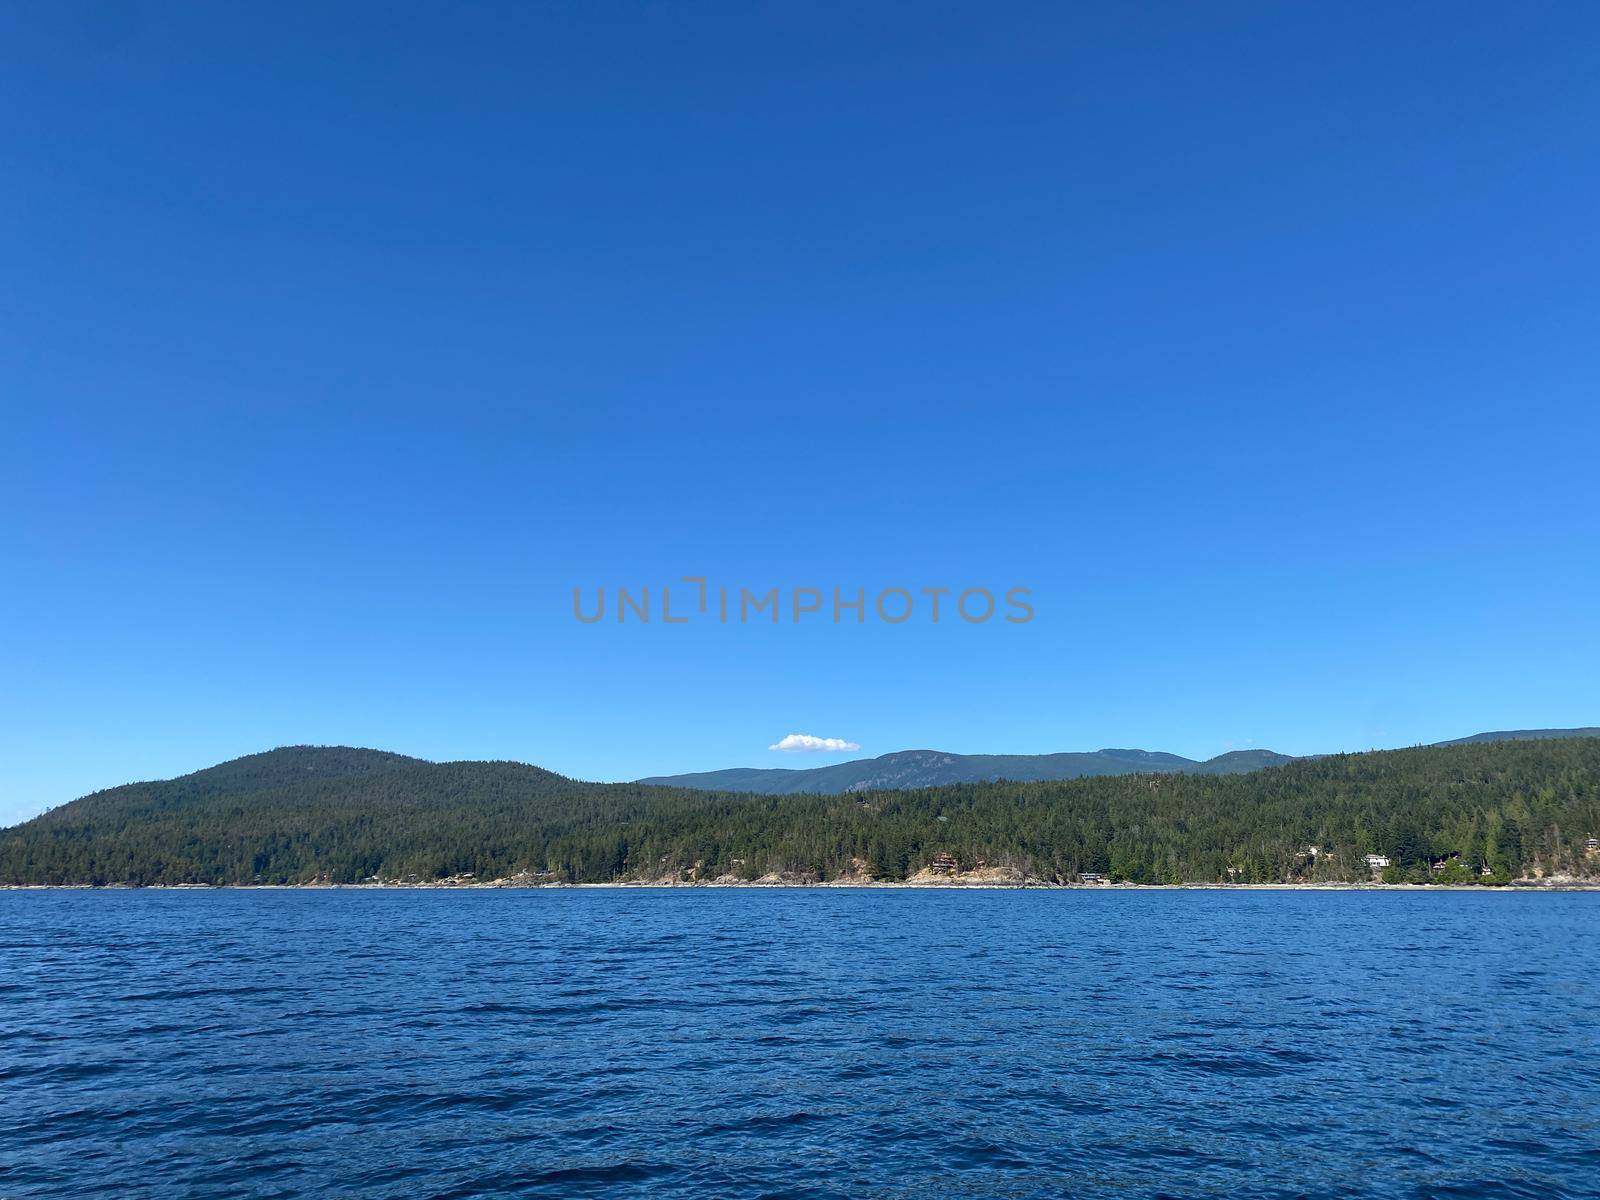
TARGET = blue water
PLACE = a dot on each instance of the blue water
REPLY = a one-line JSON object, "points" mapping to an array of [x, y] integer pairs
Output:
{"points": [[798, 1043]]}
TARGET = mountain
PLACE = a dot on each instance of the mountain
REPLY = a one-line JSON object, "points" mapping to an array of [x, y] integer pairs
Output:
{"points": [[1522, 735], [306, 814], [934, 768]]}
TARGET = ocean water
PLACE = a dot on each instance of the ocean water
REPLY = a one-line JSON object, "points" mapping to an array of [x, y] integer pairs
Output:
{"points": [[804, 1043]]}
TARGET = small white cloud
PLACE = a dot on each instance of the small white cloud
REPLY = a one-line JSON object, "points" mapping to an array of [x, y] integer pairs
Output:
{"points": [[804, 741]]}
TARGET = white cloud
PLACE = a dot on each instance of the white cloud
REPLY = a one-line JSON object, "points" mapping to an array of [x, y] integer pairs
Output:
{"points": [[804, 741]]}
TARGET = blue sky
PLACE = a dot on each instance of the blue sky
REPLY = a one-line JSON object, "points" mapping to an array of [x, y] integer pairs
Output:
{"points": [[338, 344]]}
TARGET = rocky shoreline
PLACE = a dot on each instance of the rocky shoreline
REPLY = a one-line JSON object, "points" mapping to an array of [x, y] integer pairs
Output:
{"points": [[938, 884]]}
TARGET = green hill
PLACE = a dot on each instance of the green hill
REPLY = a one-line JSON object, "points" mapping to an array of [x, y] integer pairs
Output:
{"points": [[304, 814]]}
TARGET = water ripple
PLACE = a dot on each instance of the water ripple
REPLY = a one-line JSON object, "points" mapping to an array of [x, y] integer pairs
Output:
{"points": [[811, 1044]]}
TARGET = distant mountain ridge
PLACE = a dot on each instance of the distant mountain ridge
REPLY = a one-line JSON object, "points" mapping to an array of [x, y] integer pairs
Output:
{"points": [[1523, 735], [936, 768]]}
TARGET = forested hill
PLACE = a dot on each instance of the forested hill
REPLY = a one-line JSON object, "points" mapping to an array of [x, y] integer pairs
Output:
{"points": [[308, 814]]}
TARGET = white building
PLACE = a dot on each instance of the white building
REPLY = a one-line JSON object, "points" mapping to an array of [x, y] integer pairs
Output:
{"points": [[1376, 861]]}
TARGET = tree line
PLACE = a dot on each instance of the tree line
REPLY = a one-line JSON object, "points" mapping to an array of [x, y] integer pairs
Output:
{"points": [[309, 814]]}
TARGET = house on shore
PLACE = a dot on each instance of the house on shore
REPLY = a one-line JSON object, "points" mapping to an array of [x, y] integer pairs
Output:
{"points": [[1376, 861]]}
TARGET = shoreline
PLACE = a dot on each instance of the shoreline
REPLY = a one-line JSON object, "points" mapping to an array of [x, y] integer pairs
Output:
{"points": [[852, 885]]}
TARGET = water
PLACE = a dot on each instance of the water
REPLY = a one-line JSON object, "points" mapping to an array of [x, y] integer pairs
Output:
{"points": [[798, 1043]]}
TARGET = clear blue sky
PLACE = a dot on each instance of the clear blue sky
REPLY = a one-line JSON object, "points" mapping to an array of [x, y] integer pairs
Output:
{"points": [[338, 343]]}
